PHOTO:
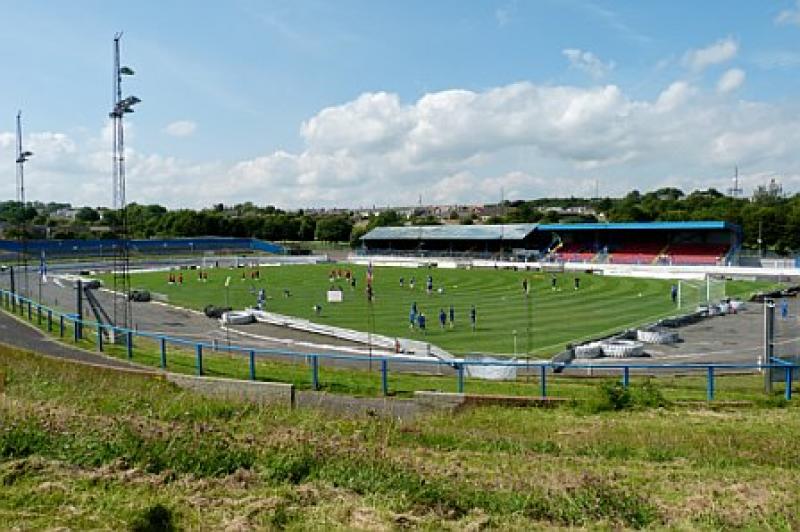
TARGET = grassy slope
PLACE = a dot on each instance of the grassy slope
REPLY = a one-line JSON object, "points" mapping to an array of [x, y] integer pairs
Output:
{"points": [[105, 455], [602, 305]]}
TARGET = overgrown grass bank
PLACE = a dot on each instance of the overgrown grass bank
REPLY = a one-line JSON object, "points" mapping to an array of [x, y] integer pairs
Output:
{"points": [[91, 448]]}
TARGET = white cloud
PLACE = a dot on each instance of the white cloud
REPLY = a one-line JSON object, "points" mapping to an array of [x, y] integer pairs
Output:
{"points": [[721, 51], [731, 80], [7, 139], [673, 96], [449, 146], [789, 16], [587, 62], [181, 128]]}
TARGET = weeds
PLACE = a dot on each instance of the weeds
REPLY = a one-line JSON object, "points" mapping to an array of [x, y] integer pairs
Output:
{"points": [[167, 452]]}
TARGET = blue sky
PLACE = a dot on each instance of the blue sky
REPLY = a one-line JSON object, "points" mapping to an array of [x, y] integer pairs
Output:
{"points": [[359, 103]]}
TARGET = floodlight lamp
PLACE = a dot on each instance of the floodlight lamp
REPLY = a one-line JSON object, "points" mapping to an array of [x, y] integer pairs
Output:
{"points": [[27, 153], [126, 71]]}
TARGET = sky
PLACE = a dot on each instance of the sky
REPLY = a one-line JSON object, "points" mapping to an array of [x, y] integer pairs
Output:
{"points": [[351, 103]]}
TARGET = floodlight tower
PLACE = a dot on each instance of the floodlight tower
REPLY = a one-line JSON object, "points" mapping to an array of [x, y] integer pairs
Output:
{"points": [[122, 284], [22, 227]]}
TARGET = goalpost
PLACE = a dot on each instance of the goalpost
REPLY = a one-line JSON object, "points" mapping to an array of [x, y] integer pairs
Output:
{"points": [[701, 292]]}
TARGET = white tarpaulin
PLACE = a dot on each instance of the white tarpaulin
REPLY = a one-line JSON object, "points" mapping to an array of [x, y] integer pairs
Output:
{"points": [[491, 372]]}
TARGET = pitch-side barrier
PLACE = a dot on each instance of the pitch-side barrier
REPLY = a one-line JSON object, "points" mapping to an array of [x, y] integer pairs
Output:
{"points": [[58, 322], [654, 271]]}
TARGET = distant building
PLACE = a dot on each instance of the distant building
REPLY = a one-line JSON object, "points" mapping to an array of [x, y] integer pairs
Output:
{"points": [[66, 213]]}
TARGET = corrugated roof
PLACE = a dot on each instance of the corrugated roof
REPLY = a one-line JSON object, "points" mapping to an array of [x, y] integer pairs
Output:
{"points": [[639, 226], [452, 232], [520, 231]]}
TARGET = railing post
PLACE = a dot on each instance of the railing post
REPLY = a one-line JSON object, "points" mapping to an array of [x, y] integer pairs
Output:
{"points": [[460, 376], [129, 343], [61, 326], [99, 337], [626, 376], [710, 384], [49, 320], [199, 359], [30, 311], [543, 380], [163, 346], [384, 377], [38, 314], [314, 372], [76, 332], [252, 365], [769, 343], [788, 386]]}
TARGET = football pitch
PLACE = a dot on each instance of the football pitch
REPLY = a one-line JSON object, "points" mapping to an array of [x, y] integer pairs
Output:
{"points": [[508, 322]]}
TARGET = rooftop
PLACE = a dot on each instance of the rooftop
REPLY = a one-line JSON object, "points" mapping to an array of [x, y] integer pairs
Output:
{"points": [[521, 231], [452, 232]]}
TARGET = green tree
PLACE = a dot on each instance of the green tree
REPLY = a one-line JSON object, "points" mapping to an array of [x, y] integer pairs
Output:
{"points": [[87, 215], [333, 229]]}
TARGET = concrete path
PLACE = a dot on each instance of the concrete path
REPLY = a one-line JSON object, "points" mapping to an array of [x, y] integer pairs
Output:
{"points": [[17, 333]]}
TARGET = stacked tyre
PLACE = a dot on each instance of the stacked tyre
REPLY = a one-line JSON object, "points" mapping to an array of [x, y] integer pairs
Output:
{"points": [[623, 348]]}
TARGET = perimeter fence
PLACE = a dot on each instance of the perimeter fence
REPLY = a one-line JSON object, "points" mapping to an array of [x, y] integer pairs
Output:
{"points": [[355, 373]]}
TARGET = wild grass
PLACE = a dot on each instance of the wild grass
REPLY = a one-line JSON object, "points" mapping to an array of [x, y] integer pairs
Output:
{"points": [[93, 448]]}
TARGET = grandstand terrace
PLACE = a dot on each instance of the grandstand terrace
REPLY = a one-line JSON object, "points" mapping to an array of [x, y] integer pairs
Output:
{"points": [[472, 240], [668, 243]]}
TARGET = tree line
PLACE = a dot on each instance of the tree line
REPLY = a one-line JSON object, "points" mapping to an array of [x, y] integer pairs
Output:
{"points": [[770, 216]]}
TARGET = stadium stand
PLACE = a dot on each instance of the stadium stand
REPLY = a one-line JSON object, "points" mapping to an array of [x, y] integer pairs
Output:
{"points": [[160, 246], [680, 243]]}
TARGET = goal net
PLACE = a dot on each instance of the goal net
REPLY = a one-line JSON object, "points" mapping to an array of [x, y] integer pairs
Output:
{"points": [[695, 293]]}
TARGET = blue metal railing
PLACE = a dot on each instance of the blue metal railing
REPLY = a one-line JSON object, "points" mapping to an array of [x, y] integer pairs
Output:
{"points": [[25, 306]]}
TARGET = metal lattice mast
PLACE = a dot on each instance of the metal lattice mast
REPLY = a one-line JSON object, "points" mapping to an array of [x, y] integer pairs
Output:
{"points": [[123, 316], [22, 227]]}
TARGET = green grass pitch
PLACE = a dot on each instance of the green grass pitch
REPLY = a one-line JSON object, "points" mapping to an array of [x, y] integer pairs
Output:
{"points": [[544, 322]]}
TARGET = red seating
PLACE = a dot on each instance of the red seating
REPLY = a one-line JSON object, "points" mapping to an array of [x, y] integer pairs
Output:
{"points": [[575, 253], [697, 254], [648, 253], [638, 253]]}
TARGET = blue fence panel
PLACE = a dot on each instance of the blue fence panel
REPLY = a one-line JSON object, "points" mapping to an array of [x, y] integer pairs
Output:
{"points": [[156, 245], [785, 368]]}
